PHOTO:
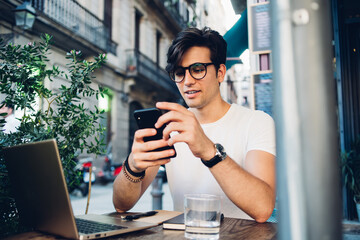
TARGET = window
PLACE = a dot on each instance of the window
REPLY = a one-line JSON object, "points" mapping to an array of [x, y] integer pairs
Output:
{"points": [[108, 15], [138, 16]]}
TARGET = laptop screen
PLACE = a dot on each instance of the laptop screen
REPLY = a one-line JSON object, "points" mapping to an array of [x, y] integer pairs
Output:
{"points": [[39, 188]]}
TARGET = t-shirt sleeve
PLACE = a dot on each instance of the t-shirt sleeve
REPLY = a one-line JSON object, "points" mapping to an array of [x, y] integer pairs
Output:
{"points": [[261, 135]]}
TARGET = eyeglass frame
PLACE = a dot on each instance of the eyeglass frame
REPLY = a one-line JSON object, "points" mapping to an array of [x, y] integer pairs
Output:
{"points": [[188, 68]]}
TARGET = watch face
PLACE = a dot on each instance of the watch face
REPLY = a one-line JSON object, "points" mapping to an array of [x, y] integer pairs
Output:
{"points": [[220, 151]]}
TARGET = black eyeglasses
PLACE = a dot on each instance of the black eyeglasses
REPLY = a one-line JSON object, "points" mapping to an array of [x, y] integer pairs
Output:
{"points": [[196, 70]]}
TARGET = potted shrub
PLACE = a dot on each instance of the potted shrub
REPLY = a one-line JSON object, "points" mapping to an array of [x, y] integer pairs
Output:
{"points": [[351, 171], [61, 115]]}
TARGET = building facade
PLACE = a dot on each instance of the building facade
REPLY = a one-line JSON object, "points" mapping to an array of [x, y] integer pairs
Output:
{"points": [[135, 35]]}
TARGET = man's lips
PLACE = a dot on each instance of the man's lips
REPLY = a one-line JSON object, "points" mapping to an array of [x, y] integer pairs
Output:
{"points": [[191, 93]]}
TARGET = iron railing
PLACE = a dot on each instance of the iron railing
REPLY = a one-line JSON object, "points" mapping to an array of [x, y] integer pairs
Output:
{"points": [[174, 12], [71, 15], [137, 64]]}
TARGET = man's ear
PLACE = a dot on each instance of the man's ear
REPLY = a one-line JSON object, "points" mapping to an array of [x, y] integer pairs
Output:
{"points": [[221, 73]]}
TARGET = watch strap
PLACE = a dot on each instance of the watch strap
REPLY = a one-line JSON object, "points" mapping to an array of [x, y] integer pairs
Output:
{"points": [[219, 156]]}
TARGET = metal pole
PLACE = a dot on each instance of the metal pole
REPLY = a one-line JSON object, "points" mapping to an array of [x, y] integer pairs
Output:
{"points": [[305, 116], [339, 94], [156, 191]]}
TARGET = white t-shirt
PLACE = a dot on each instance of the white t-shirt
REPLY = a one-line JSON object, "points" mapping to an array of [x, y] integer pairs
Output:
{"points": [[238, 131]]}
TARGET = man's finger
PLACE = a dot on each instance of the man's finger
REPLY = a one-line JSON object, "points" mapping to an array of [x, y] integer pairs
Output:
{"points": [[152, 145], [172, 116], [146, 132], [155, 156], [170, 106]]}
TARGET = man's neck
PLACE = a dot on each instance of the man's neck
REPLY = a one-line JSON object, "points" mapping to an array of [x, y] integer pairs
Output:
{"points": [[212, 112]]}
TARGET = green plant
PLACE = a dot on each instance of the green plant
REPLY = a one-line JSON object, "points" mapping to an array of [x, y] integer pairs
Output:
{"points": [[47, 113], [350, 165]]}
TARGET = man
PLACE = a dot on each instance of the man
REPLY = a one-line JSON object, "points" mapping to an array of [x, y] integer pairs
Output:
{"points": [[222, 149]]}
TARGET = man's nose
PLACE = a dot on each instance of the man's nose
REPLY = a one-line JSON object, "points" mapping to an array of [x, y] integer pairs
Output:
{"points": [[188, 79]]}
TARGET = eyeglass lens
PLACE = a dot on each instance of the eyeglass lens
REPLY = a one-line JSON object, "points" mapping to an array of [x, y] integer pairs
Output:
{"points": [[197, 71]]}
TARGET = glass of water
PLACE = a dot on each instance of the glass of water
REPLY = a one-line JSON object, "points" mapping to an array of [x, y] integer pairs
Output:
{"points": [[202, 216]]}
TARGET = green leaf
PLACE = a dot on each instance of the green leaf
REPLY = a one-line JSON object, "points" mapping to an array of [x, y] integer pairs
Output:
{"points": [[63, 115]]}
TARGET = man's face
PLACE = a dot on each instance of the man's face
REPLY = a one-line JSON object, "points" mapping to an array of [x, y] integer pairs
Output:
{"points": [[199, 93]]}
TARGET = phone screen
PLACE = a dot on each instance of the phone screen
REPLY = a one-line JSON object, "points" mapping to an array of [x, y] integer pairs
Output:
{"points": [[146, 118]]}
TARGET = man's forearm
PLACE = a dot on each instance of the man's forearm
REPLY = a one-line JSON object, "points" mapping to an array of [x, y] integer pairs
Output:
{"points": [[125, 193], [250, 193]]}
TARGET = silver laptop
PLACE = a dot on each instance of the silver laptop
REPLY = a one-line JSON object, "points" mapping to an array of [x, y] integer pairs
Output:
{"points": [[42, 199]]}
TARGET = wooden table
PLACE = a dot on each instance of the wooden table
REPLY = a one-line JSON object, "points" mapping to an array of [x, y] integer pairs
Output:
{"points": [[230, 229]]}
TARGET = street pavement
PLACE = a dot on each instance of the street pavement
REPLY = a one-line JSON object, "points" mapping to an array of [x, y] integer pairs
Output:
{"points": [[101, 200]]}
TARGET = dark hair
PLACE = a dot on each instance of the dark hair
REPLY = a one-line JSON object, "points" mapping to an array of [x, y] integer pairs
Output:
{"points": [[191, 37]]}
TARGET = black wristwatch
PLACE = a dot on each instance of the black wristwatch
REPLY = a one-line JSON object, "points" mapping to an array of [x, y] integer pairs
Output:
{"points": [[219, 156]]}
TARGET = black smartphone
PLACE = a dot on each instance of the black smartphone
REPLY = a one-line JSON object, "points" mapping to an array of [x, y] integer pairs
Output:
{"points": [[146, 118]]}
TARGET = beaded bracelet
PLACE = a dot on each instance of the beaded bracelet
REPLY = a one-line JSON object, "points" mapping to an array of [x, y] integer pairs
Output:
{"points": [[127, 172], [130, 178]]}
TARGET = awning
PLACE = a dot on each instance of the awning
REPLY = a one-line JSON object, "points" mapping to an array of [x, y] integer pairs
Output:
{"points": [[237, 39]]}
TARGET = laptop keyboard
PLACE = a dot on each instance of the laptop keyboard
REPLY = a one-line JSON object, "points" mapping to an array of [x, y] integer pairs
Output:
{"points": [[88, 226]]}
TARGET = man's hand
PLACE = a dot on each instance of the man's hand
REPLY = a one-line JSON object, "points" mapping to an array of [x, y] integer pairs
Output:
{"points": [[183, 121], [143, 156]]}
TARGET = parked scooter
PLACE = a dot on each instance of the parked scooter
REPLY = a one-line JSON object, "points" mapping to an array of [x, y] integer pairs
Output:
{"points": [[83, 165], [109, 170]]}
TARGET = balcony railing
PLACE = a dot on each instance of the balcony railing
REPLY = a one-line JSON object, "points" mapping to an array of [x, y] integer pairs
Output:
{"points": [[79, 20], [174, 12], [139, 65]]}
